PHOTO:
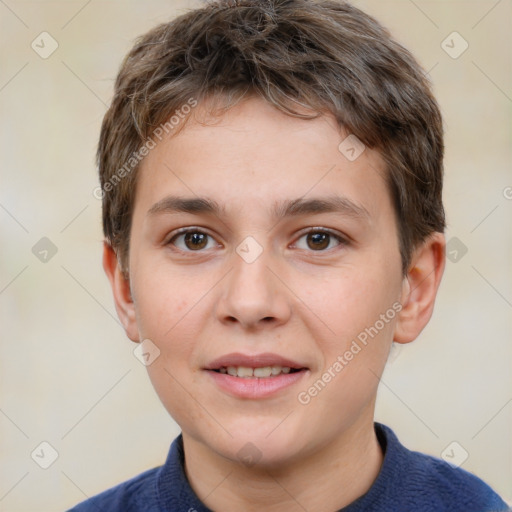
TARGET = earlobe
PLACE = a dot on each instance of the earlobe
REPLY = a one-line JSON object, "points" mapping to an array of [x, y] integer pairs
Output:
{"points": [[120, 284], [420, 287]]}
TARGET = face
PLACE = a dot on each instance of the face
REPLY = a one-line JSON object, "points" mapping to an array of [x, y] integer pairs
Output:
{"points": [[265, 267]]}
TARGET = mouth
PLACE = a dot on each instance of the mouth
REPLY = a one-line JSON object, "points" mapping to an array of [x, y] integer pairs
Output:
{"points": [[263, 365], [246, 372], [255, 376]]}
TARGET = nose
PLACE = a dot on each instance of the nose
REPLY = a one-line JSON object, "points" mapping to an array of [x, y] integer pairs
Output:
{"points": [[253, 297]]}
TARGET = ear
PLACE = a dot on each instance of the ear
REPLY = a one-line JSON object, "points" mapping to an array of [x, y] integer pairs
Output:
{"points": [[120, 284], [420, 287]]}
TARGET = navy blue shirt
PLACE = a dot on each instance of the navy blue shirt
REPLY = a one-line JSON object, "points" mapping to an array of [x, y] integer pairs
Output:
{"points": [[407, 482]]}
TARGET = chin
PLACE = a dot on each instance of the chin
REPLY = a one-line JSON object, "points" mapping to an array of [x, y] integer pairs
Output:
{"points": [[263, 446]]}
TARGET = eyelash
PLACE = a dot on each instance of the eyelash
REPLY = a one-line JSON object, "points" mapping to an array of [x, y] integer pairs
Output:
{"points": [[341, 241]]}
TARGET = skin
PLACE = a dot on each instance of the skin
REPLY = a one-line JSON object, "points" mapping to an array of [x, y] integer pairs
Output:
{"points": [[295, 300]]}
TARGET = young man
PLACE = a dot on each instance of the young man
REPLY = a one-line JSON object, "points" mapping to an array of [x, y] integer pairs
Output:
{"points": [[271, 174]]}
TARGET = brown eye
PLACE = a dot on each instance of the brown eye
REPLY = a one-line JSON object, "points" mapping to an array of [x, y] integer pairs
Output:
{"points": [[195, 241], [192, 240], [318, 241]]}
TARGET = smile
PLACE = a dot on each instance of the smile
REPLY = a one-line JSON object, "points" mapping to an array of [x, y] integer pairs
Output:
{"points": [[246, 372], [255, 376]]}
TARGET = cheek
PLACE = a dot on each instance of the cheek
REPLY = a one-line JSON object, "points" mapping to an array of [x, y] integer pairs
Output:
{"points": [[354, 357], [359, 310], [174, 325], [355, 301], [163, 301]]}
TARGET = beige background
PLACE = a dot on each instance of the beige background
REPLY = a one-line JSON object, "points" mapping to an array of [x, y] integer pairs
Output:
{"points": [[67, 373]]}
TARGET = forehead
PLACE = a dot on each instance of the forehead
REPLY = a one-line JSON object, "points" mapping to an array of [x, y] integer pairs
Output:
{"points": [[255, 155]]}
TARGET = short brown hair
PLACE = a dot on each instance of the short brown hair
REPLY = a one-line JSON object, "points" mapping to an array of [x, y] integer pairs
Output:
{"points": [[325, 55]]}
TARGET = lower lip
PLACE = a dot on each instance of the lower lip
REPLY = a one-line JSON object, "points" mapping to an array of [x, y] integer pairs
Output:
{"points": [[255, 387]]}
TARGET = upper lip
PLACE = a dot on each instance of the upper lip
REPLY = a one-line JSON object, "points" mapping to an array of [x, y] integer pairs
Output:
{"points": [[252, 361]]}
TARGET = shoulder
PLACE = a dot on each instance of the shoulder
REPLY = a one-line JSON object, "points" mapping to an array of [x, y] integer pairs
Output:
{"points": [[439, 485], [134, 495], [163, 488], [451, 488]]}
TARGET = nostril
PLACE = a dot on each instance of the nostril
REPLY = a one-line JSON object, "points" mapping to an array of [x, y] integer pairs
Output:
{"points": [[250, 322]]}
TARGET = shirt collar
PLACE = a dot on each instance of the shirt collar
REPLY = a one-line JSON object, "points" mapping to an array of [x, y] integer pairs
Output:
{"points": [[173, 487]]}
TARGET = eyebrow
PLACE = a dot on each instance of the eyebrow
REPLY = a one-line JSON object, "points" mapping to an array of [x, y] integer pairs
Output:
{"points": [[288, 208]]}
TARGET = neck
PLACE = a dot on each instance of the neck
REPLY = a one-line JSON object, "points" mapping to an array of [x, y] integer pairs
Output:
{"points": [[329, 479]]}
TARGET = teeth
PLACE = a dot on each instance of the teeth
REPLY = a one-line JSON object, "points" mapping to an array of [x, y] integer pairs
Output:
{"points": [[246, 372], [262, 372], [243, 371]]}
